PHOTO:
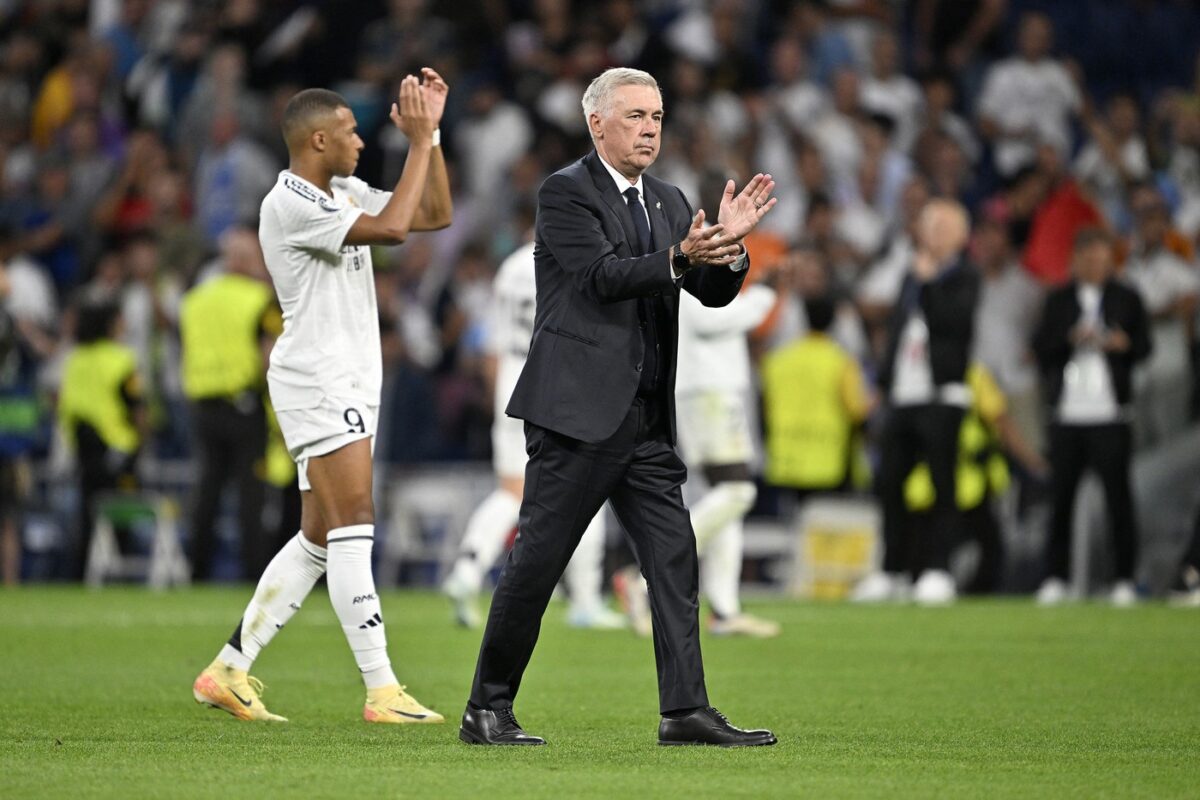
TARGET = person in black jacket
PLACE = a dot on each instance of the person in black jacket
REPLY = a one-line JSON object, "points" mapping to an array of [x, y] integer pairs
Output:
{"points": [[613, 248], [923, 379], [1091, 334]]}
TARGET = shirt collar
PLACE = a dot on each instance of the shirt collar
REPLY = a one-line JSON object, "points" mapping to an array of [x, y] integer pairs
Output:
{"points": [[621, 181]]}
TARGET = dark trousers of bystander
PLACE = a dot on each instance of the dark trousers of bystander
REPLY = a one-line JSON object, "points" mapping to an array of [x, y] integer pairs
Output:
{"points": [[230, 440], [912, 434], [1108, 449]]}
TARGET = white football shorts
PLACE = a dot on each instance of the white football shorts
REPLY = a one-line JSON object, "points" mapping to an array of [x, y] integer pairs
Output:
{"points": [[318, 431], [714, 428], [508, 447]]}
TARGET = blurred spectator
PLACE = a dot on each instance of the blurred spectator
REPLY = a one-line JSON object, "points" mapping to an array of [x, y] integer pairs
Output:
{"points": [[490, 140], [800, 100], [233, 175], [956, 35], [828, 50], [1183, 164], [124, 207], [149, 313], [940, 99], [52, 224], [887, 91], [1170, 288], [1064, 212], [162, 82], [168, 213], [221, 93], [1115, 159], [125, 37], [408, 38], [1016, 203], [1009, 304], [943, 160], [1028, 99], [1091, 334], [835, 132]]}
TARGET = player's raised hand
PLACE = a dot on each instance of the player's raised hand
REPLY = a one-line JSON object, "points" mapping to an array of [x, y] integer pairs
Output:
{"points": [[739, 214], [410, 113], [709, 245], [435, 90]]}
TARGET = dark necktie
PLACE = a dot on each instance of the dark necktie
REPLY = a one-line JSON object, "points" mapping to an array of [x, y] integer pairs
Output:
{"points": [[639, 220]]}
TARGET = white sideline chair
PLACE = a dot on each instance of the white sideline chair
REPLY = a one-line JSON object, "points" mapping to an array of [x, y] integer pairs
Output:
{"points": [[165, 566]]}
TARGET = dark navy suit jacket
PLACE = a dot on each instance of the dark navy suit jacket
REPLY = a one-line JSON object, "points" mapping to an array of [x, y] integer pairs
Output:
{"points": [[586, 357]]}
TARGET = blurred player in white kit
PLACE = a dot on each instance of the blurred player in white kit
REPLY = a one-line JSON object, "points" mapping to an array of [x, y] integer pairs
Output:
{"points": [[487, 532]]}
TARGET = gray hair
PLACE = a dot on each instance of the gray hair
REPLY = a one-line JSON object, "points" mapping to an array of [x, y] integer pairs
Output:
{"points": [[599, 95]]}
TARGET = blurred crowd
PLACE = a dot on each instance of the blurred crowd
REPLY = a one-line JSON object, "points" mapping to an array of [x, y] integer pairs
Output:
{"points": [[136, 136]]}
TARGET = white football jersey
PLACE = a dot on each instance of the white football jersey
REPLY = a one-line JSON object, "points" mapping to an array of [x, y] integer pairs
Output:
{"points": [[713, 352], [330, 342], [515, 301]]}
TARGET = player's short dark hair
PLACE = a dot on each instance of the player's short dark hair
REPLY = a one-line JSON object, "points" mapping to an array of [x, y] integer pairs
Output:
{"points": [[305, 107], [1092, 235], [820, 311], [95, 320]]}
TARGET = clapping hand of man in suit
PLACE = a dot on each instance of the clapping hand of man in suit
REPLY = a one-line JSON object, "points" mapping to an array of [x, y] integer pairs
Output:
{"points": [[738, 215]]}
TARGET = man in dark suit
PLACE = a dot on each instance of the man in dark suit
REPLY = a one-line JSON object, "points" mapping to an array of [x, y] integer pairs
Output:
{"points": [[1091, 334], [613, 249], [923, 379]]}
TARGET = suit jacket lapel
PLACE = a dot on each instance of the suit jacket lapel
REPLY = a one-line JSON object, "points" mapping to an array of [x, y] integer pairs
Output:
{"points": [[614, 200]]}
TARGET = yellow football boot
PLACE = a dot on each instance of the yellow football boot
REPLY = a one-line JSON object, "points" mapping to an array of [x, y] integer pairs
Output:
{"points": [[221, 686], [392, 704]]}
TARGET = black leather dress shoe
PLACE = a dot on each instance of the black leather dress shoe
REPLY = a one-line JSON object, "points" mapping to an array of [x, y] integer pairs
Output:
{"points": [[709, 726], [483, 726]]}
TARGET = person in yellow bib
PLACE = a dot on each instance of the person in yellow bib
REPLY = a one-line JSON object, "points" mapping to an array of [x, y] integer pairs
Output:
{"points": [[100, 413], [988, 434], [815, 400], [226, 326]]}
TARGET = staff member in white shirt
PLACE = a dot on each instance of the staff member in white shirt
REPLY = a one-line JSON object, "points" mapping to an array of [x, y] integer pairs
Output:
{"points": [[1092, 333]]}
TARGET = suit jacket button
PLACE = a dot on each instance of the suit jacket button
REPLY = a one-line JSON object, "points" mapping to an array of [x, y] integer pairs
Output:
{"points": [[638, 368]]}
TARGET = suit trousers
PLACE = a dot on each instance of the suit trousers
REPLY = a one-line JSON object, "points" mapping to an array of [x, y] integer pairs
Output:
{"points": [[566, 483], [912, 434], [1108, 449]]}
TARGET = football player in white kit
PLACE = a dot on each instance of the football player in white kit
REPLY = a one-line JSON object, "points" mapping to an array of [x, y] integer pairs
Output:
{"points": [[712, 392], [325, 375], [515, 293], [712, 395]]}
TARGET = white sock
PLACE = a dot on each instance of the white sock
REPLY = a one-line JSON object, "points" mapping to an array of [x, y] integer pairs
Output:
{"points": [[352, 593], [723, 504], [281, 590], [721, 570], [585, 571], [487, 533]]}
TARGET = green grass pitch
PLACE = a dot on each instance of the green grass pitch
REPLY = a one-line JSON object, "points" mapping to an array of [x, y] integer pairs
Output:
{"points": [[986, 699]]}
